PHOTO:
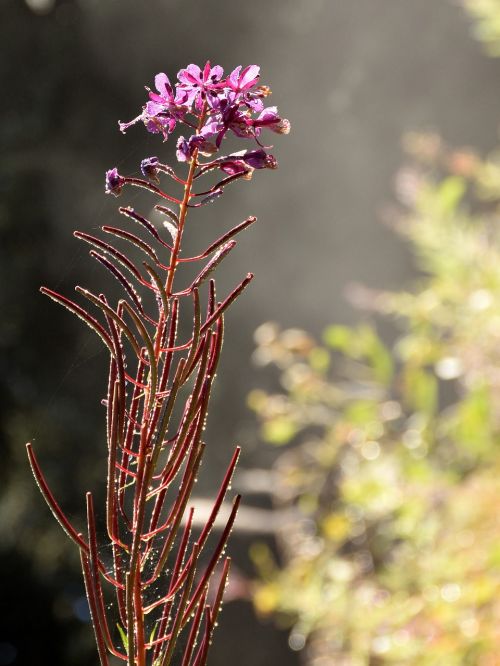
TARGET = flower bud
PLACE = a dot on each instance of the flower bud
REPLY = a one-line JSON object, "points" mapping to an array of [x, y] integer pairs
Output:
{"points": [[149, 168], [114, 182]]}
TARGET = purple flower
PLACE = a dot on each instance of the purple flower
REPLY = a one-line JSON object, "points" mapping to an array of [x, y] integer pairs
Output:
{"points": [[205, 147], [165, 94], [114, 182], [253, 101], [235, 104], [197, 84], [232, 118], [259, 159], [269, 118], [240, 123], [124, 126], [211, 128], [164, 109], [202, 139], [233, 166], [184, 150], [165, 100], [158, 122], [238, 89], [149, 168], [241, 81], [240, 161]]}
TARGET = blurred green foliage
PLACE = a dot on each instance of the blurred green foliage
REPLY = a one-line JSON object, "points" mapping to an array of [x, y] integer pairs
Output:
{"points": [[389, 485], [486, 14]]}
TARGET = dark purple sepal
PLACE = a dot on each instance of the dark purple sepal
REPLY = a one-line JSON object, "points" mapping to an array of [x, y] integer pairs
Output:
{"points": [[149, 168], [114, 182]]}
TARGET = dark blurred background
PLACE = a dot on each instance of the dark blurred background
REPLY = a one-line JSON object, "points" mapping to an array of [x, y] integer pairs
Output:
{"points": [[352, 77]]}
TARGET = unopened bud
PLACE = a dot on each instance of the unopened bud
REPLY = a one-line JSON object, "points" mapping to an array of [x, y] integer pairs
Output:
{"points": [[149, 168], [114, 182]]}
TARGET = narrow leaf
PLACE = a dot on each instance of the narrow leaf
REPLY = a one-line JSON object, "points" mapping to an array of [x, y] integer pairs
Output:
{"points": [[121, 279], [82, 314], [130, 212], [135, 240], [106, 247], [169, 213], [232, 232], [213, 263], [114, 316]]}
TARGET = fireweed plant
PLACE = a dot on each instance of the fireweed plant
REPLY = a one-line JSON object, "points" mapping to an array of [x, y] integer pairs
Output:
{"points": [[159, 387]]}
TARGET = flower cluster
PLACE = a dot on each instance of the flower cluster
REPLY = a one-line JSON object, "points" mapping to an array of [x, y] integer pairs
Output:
{"points": [[212, 105]]}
